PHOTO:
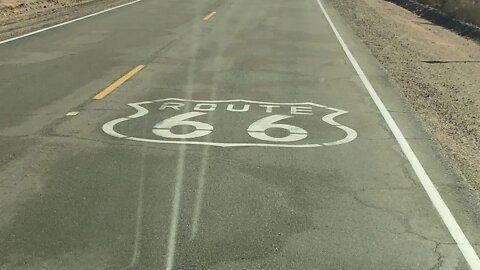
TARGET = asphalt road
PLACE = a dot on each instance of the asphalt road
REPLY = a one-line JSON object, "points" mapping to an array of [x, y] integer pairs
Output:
{"points": [[248, 140]]}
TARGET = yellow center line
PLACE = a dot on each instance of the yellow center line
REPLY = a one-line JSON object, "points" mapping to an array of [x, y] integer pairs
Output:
{"points": [[210, 15], [118, 82]]}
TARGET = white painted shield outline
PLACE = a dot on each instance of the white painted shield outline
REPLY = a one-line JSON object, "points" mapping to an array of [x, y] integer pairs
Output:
{"points": [[141, 111]]}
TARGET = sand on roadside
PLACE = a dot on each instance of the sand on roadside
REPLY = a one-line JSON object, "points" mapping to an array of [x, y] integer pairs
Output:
{"points": [[437, 70], [18, 17]]}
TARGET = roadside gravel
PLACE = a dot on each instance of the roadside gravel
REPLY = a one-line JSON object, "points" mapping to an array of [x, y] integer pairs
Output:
{"points": [[438, 71], [22, 16]]}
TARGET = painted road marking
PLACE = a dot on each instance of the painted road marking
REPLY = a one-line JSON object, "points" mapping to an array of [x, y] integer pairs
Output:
{"points": [[462, 242], [258, 129], [170, 114], [105, 92], [163, 128], [210, 15], [73, 113], [67, 22]]}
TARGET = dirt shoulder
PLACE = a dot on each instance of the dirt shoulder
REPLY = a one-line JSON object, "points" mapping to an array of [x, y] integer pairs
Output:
{"points": [[22, 16], [438, 71]]}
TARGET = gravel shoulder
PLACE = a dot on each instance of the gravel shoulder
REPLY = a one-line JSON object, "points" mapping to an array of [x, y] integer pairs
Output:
{"points": [[18, 17], [437, 70]]}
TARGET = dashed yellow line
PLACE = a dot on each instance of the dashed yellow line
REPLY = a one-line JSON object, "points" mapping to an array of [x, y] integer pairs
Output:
{"points": [[210, 15], [73, 113], [105, 92]]}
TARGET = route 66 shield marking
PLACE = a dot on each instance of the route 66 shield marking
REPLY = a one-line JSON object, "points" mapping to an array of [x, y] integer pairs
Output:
{"points": [[230, 123]]}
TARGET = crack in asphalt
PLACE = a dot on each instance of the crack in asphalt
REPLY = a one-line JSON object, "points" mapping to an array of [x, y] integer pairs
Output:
{"points": [[439, 258]]}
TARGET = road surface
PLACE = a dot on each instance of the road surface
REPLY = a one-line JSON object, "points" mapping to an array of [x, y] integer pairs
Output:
{"points": [[219, 135]]}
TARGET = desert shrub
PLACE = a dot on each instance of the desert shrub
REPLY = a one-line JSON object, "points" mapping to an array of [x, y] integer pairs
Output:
{"points": [[465, 10]]}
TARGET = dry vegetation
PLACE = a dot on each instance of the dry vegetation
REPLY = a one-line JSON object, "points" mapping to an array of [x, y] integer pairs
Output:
{"points": [[465, 10]]}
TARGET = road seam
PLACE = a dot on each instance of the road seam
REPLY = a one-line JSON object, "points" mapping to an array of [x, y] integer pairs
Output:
{"points": [[139, 217], [177, 194], [448, 219]]}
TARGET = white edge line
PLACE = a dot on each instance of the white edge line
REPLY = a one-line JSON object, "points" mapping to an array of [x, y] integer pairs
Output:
{"points": [[67, 22], [462, 242]]}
